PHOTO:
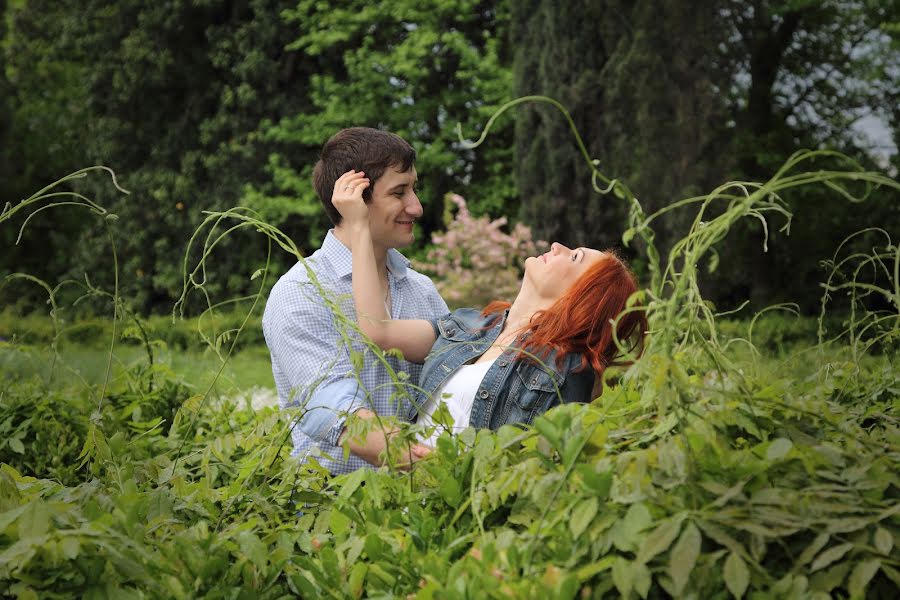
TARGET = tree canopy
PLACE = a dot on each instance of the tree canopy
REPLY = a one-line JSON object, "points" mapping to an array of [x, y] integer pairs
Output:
{"points": [[203, 106]]}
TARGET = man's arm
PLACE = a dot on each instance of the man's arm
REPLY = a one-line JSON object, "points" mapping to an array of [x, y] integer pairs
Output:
{"points": [[309, 352], [302, 340], [413, 337]]}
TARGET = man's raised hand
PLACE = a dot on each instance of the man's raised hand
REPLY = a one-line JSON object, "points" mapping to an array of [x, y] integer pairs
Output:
{"points": [[347, 197]]}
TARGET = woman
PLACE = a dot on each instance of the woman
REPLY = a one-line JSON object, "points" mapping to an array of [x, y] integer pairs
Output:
{"points": [[510, 362]]}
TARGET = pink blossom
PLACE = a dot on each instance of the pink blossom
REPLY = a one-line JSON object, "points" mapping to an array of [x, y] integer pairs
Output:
{"points": [[475, 261]]}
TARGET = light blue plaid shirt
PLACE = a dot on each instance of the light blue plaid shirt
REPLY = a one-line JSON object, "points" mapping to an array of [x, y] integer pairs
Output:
{"points": [[310, 354]]}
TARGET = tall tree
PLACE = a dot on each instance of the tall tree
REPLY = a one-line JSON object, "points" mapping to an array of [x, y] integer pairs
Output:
{"points": [[802, 74], [637, 81], [204, 105], [676, 98], [5, 108], [44, 131], [172, 95], [417, 69]]}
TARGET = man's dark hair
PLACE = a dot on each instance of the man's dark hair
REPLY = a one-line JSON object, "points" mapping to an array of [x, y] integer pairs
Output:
{"points": [[362, 149]]}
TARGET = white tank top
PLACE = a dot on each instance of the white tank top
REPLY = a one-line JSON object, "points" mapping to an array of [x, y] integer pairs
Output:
{"points": [[458, 392]]}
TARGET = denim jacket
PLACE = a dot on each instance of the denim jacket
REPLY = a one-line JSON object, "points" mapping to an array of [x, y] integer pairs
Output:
{"points": [[515, 389]]}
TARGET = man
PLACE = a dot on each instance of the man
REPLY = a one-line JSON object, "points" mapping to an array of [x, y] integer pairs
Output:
{"points": [[311, 360]]}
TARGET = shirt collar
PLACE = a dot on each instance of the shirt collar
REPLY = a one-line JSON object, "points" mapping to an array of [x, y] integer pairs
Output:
{"points": [[342, 260]]}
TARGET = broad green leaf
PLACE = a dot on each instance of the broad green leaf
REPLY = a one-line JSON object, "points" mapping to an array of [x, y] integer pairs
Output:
{"points": [[684, 556], [35, 521], [303, 586], [374, 546], [861, 576], [352, 482], [810, 552], [831, 577], [379, 572], [357, 578], [637, 519], [884, 541], [450, 491], [829, 556], [354, 548], [549, 430], [484, 448], [623, 576], [339, 523], [719, 535], [16, 445], [730, 493], [330, 563], [582, 515], [778, 449], [736, 575], [660, 538], [642, 579], [254, 549], [598, 437], [11, 516], [70, 547], [848, 525], [599, 484]]}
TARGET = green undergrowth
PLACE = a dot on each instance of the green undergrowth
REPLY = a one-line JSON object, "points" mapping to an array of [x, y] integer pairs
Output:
{"points": [[785, 488], [249, 368], [754, 458], [192, 333]]}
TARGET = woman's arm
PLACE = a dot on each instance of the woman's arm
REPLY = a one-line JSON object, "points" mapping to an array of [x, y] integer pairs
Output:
{"points": [[413, 337]]}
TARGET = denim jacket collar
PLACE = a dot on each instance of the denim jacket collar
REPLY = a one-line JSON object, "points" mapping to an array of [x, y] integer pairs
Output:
{"points": [[481, 329]]}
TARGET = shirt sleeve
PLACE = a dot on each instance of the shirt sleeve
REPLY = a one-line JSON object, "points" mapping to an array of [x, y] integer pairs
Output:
{"points": [[436, 305], [304, 342], [439, 307], [325, 413]]}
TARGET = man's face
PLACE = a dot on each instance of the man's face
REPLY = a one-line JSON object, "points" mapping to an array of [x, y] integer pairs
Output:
{"points": [[394, 208]]}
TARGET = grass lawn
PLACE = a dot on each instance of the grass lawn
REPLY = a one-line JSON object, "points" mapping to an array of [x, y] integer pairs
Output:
{"points": [[246, 370]]}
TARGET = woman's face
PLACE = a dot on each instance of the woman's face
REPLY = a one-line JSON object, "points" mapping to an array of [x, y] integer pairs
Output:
{"points": [[553, 272]]}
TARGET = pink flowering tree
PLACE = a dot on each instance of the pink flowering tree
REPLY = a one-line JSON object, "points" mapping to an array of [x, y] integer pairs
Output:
{"points": [[475, 261]]}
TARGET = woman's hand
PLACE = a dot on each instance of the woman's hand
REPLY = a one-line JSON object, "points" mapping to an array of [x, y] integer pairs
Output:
{"points": [[347, 197]]}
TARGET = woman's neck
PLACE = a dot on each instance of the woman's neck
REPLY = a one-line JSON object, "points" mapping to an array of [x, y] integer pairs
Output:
{"points": [[523, 309]]}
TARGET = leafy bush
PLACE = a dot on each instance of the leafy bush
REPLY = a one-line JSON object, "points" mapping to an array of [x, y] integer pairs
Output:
{"points": [[752, 494], [195, 333], [704, 473], [779, 332]]}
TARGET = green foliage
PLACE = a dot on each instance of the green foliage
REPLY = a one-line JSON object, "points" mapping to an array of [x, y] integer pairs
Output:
{"points": [[172, 95], [676, 97], [195, 333], [414, 69], [706, 471], [753, 494], [206, 105], [474, 261]]}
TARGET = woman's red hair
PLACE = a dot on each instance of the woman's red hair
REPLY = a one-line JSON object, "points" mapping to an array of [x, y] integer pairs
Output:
{"points": [[581, 320]]}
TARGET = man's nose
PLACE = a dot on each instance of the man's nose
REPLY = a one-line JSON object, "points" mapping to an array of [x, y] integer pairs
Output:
{"points": [[413, 206]]}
